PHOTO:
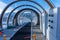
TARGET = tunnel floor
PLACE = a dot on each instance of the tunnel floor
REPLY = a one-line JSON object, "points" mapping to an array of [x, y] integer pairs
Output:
{"points": [[26, 32], [23, 33]]}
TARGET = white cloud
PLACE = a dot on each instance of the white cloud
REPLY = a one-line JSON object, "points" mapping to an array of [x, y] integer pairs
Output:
{"points": [[2, 6], [0, 11]]}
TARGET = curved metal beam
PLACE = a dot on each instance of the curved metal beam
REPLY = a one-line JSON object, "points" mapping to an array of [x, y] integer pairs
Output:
{"points": [[50, 4], [31, 8], [15, 2], [19, 7], [26, 9]]}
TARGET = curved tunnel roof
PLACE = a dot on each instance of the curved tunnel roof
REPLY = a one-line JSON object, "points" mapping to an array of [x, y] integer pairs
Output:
{"points": [[35, 4]]}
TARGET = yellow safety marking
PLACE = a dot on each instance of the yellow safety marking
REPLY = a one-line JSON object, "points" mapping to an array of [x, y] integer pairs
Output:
{"points": [[34, 36], [5, 37]]}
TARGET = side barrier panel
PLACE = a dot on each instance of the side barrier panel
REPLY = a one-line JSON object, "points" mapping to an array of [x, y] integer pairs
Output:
{"points": [[44, 23], [54, 24]]}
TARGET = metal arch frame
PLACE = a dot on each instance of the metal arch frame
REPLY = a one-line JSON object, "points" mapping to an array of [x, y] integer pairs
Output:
{"points": [[50, 4], [32, 8], [15, 2], [38, 22], [19, 7]]}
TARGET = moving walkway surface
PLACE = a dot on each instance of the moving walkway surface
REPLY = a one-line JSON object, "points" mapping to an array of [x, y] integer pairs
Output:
{"points": [[22, 33], [10, 32]]}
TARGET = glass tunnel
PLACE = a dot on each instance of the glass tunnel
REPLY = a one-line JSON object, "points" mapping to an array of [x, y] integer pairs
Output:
{"points": [[25, 20]]}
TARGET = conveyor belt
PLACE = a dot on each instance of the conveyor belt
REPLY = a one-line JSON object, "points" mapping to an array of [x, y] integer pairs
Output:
{"points": [[22, 33], [11, 32]]}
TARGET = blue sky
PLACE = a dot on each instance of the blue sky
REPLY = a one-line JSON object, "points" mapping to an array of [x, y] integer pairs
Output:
{"points": [[3, 3]]}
